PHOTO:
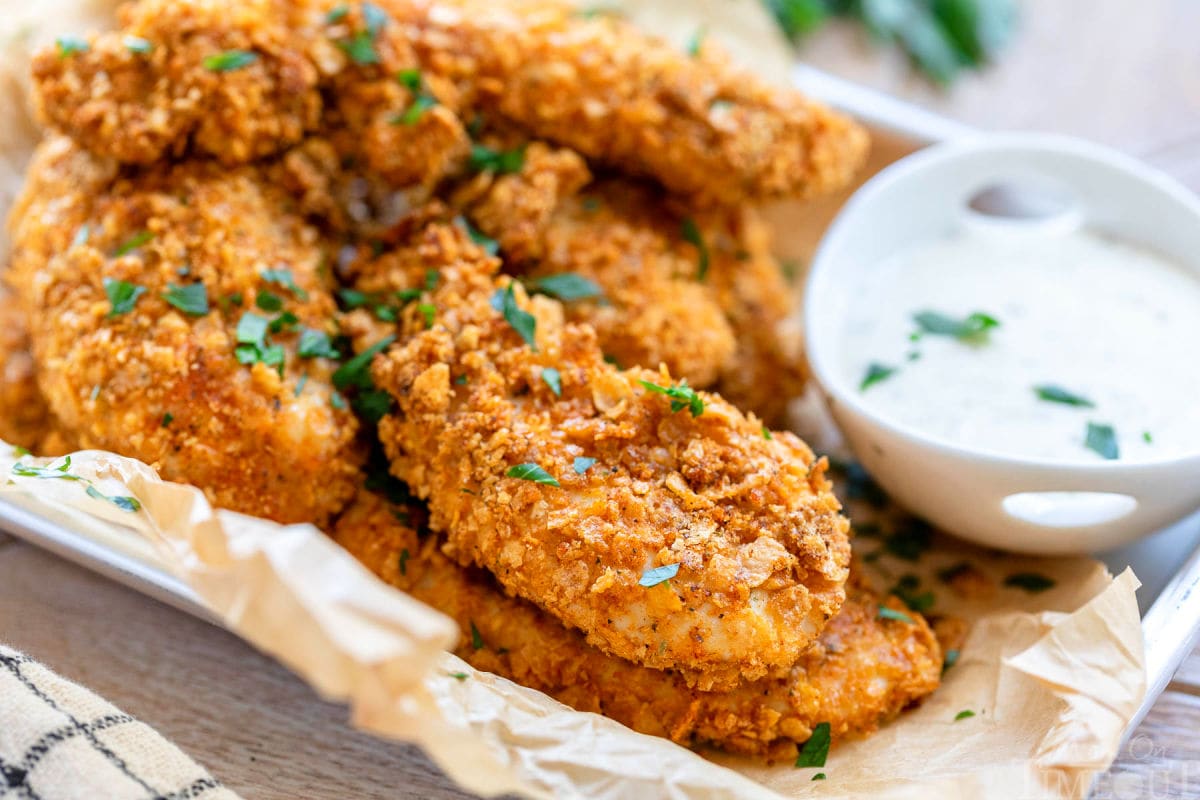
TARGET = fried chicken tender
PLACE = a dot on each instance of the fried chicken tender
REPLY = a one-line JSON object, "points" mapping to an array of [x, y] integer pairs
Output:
{"points": [[243, 80], [25, 420], [149, 297], [497, 436], [711, 303], [862, 671]]}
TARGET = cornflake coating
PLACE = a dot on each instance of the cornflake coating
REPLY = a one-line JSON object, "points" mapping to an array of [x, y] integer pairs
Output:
{"points": [[861, 672], [98, 254], [755, 549], [599, 85], [25, 420]]}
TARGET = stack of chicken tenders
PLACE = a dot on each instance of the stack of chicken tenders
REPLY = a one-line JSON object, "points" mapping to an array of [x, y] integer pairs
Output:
{"points": [[482, 289]]}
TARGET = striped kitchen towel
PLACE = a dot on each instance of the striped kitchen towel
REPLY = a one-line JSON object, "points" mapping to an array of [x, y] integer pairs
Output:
{"points": [[58, 741]]}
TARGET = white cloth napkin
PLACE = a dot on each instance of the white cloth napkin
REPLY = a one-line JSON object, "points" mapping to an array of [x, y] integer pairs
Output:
{"points": [[58, 741]]}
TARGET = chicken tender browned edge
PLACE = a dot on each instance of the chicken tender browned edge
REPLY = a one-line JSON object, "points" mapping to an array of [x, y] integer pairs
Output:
{"points": [[862, 671]]}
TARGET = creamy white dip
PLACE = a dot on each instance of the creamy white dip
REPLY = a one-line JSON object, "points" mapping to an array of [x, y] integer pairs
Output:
{"points": [[1110, 323]]}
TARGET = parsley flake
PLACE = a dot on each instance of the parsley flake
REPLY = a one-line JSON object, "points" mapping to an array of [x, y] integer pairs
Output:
{"points": [[191, 299], [973, 329], [132, 243], [429, 312], [229, 60], [122, 295], [360, 48], [357, 371], [696, 42], [691, 235], [583, 464], [893, 614], [531, 472], [476, 637], [566, 286], [552, 378], [82, 235], [816, 750], [820, 776], [949, 660], [489, 245], [1102, 439], [876, 372], [411, 115], [964, 714], [136, 44], [766, 433], [129, 504], [167, 419], [682, 396], [1056, 394], [521, 321], [404, 561], [70, 45], [458, 676], [657, 575], [1031, 582], [60, 472], [1147, 438], [337, 14], [283, 277], [487, 159], [268, 301], [316, 344]]}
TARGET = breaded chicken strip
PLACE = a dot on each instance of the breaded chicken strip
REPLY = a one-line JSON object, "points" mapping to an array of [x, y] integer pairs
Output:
{"points": [[241, 80], [659, 521], [862, 671], [697, 291], [25, 419], [177, 317]]}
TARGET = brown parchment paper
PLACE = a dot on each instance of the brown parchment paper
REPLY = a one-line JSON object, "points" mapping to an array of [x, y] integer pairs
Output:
{"points": [[1052, 677]]}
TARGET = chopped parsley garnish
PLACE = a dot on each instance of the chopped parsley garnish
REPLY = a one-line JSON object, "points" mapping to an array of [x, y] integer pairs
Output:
{"points": [[352, 298], [876, 372], [531, 472], [696, 43], [691, 235], [283, 277], [300, 385], [766, 433], [285, 321], [893, 614], [964, 714], [1102, 439], [820, 776], [583, 464], [1029, 581], [487, 159], [552, 378], [82, 235], [404, 561], [657, 575], [191, 299], [167, 419], [432, 276], [95, 392], [361, 46], [1056, 394], [410, 79], [372, 405], [252, 345], [136, 44], [132, 243], [60, 472], [949, 660], [566, 286], [316, 344], [130, 504], [429, 312], [476, 637], [70, 45], [422, 100], [458, 676], [816, 749], [682, 396], [268, 301], [230, 60], [21, 452], [489, 245], [357, 371], [337, 14], [375, 17], [521, 321], [973, 329], [122, 295], [337, 401], [1147, 438], [907, 590]]}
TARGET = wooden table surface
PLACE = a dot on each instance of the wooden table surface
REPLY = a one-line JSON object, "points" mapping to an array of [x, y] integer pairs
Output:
{"points": [[1122, 73]]}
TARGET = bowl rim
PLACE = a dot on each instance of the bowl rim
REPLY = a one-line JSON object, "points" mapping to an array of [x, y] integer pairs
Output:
{"points": [[835, 389]]}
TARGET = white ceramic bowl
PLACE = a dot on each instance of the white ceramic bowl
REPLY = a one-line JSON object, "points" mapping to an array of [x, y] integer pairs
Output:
{"points": [[1028, 505]]}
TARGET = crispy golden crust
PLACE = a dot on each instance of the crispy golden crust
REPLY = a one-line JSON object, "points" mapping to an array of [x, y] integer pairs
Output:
{"points": [[600, 86], [761, 548], [253, 438], [697, 125], [25, 420], [862, 671]]}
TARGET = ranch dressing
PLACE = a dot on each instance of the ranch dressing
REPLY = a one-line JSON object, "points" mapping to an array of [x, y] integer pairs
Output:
{"points": [[1107, 322]]}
